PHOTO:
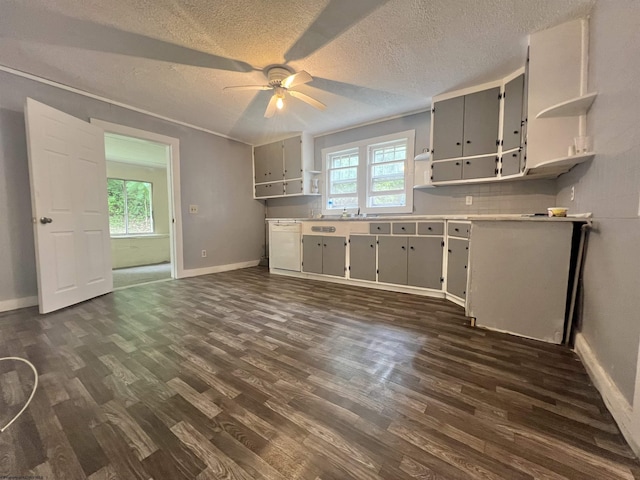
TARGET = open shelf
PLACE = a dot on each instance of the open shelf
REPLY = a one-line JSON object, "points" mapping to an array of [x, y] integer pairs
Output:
{"points": [[569, 108], [558, 166]]}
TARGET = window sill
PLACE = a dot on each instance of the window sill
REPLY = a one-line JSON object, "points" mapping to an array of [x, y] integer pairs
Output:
{"points": [[143, 235]]}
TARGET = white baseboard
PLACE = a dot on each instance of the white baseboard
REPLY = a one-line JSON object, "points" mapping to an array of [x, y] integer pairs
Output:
{"points": [[15, 303], [195, 272], [617, 404]]}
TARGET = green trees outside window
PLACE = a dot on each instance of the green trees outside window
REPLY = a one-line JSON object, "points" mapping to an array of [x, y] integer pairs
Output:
{"points": [[130, 207]]}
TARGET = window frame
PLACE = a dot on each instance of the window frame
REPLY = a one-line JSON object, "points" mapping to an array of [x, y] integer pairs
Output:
{"points": [[365, 172], [126, 211]]}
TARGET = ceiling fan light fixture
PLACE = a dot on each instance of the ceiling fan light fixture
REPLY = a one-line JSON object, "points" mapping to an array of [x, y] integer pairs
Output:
{"points": [[279, 103]]}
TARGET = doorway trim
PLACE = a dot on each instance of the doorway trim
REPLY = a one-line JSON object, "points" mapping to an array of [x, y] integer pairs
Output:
{"points": [[173, 170]]}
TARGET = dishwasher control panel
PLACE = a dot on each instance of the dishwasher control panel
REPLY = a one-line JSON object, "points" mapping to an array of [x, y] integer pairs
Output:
{"points": [[324, 229]]}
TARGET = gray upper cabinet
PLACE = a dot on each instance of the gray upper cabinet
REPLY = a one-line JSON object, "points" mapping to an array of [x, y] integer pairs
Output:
{"points": [[392, 260], [513, 113], [480, 167], [425, 262], [457, 262], [289, 161], [446, 171], [512, 162], [268, 163], [481, 119], [362, 257], [292, 158], [448, 118]]}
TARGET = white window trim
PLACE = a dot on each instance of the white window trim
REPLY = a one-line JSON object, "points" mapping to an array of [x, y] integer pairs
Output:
{"points": [[363, 174]]}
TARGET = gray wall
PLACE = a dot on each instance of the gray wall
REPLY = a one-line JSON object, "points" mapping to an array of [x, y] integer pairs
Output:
{"points": [[609, 188], [508, 197], [216, 174]]}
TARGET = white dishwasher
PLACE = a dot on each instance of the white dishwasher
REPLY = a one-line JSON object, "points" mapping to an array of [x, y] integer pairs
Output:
{"points": [[284, 246]]}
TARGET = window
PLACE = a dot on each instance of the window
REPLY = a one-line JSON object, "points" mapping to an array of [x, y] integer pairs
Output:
{"points": [[130, 207], [374, 175]]}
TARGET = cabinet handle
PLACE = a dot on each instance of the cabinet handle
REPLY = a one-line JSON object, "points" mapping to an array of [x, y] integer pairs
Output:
{"points": [[428, 228], [401, 228], [457, 229], [457, 163], [514, 154], [457, 143], [468, 141], [449, 251], [467, 163], [378, 228], [371, 246], [515, 132], [404, 248], [325, 244], [412, 248], [319, 245]]}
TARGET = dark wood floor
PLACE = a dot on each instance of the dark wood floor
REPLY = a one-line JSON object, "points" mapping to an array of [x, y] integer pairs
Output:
{"points": [[243, 375]]}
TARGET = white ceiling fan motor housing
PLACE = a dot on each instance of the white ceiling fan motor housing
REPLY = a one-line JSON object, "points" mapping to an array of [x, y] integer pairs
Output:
{"points": [[276, 75]]}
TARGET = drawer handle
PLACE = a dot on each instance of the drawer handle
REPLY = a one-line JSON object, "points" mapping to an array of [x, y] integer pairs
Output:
{"points": [[378, 228], [514, 154], [515, 132], [411, 248], [468, 163], [319, 245], [457, 163], [457, 143], [371, 246], [456, 229], [428, 228], [468, 141], [404, 248], [402, 228]]}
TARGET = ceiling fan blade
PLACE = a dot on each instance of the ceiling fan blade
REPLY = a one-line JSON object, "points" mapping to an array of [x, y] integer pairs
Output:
{"points": [[297, 79], [271, 108], [335, 19], [248, 87], [307, 99]]}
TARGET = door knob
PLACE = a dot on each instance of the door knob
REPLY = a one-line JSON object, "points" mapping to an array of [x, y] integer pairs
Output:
{"points": [[45, 220]]}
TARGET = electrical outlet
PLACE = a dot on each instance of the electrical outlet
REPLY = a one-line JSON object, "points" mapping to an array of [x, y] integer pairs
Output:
{"points": [[193, 209], [573, 193], [204, 253], [468, 200]]}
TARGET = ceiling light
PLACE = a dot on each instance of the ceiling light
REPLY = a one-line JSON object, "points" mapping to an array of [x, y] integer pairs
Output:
{"points": [[279, 103]]}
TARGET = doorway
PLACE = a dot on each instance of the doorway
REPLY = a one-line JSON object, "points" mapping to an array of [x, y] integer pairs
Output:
{"points": [[143, 171]]}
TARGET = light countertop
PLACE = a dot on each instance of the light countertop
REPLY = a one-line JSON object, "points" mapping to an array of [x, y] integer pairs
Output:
{"points": [[581, 218]]}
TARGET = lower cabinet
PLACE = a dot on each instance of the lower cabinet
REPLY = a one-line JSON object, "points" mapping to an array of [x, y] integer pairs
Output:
{"points": [[324, 254], [414, 261], [457, 267], [362, 257]]}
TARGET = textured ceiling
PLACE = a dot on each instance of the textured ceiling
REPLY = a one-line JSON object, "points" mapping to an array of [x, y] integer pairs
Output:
{"points": [[370, 59]]}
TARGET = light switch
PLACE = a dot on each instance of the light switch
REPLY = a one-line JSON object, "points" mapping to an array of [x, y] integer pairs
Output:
{"points": [[468, 200], [193, 208]]}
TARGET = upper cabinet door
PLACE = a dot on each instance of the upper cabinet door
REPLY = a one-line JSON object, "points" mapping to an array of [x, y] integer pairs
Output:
{"points": [[293, 158], [448, 117], [268, 162], [481, 119], [513, 113]]}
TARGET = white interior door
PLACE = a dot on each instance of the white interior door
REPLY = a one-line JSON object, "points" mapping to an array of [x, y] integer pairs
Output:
{"points": [[68, 175]]}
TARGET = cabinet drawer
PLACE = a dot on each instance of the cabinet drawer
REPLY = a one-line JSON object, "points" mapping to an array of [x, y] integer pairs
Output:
{"points": [[408, 228], [382, 228], [430, 228], [455, 229]]}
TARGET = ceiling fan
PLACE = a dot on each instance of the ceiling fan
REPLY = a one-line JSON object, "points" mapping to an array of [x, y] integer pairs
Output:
{"points": [[281, 80]]}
